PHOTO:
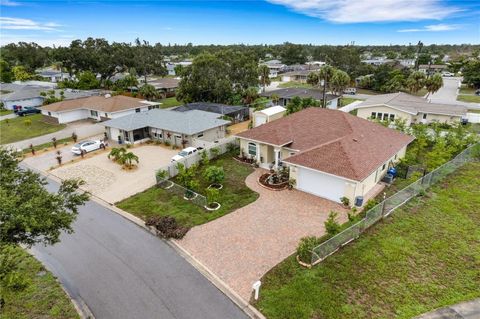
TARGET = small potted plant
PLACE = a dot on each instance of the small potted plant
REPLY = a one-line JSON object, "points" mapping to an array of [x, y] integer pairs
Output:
{"points": [[345, 201]]}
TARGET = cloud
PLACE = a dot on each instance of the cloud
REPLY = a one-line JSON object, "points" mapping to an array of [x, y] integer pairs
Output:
{"points": [[357, 11], [433, 28], [9, 3], [26, 24], [38, 38]]}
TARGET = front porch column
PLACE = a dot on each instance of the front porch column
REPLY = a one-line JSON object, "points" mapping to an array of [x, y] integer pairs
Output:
{"points": [[258, 153], [277, 155]]}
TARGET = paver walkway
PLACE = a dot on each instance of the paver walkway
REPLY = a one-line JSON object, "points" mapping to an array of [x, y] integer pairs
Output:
{"points": [[243, 245], [464, 310]]}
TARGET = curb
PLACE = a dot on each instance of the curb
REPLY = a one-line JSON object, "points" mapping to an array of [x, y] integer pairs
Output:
{"points": [[246, 307]]}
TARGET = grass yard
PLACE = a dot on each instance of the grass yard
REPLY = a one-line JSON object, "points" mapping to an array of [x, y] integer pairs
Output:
{"points": [[294, 84], [5, 112], [367, 91], [424, 256], [13, 130], [156, 201], [169, 102], [347, 100], [466, 90], [42, 297], [468, 98]]}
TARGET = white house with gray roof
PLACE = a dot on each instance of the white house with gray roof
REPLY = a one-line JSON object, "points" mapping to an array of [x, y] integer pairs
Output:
{"points": [[177, 128], [412, 109]]}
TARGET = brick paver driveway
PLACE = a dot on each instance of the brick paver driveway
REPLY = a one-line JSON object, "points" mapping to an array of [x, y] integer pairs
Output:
{"points": [[243, 245]]}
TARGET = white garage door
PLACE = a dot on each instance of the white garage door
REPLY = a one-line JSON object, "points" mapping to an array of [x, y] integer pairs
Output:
{"points": [[319, 184], [260, 119]]}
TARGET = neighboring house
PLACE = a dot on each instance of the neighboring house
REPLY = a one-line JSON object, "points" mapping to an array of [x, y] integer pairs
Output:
{"points": [[285, 95], [267, 115], [165, 86], [430, 69], [297, 76], [171, 66], [408, 63], [412, 109], [275, 67], [177, 128], [99, 108], [237, 113], [378, 61], [328, 153], [53, 75], [24, 96]]}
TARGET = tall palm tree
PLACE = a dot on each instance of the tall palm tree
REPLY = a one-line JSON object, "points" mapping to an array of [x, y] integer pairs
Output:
{"points": [[264, 73], [340, 81], [416, 81], [433, 83], [324, 74], [148, 91], [117, 153]]}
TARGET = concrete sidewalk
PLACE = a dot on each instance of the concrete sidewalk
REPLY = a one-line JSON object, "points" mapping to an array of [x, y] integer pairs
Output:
{"points": [[464, 310]]}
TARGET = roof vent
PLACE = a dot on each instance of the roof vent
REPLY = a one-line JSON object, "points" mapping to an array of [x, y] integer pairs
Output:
{"points": [[355, 140], [108, 96]]}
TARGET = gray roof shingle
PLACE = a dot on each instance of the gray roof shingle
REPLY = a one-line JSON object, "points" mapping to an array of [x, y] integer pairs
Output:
{"points": [[190, 122]]}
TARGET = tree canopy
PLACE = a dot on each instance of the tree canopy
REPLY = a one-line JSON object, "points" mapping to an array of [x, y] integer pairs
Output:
{"points": [[29, 214]]}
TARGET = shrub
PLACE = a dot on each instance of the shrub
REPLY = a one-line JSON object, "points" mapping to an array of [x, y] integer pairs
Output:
{"points": [[331, 225], [231, 147], [345, 201], [167, 143], [305, 247], [214, 174], [167, 226], [370, 204], [212, 195], [204, 158], [214, 152], [352, 215], [27, 122], [162, 174]]}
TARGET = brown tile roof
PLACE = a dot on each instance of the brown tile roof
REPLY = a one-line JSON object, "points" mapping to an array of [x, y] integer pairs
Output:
{"points": [[332, 141], [97, 103]]}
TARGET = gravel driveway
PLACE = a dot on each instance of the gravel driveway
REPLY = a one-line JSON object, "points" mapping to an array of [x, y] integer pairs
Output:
{"points": [[108, 181], [243, 245]]}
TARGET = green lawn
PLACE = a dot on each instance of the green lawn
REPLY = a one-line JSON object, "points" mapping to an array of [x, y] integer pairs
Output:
{"points": [[347, 100], [368, 91], [294, 84], [169, 102], [5, 112], [41, 298], [156, 201], [468, 98], [424, 256], [13, 130], [466, 90]]}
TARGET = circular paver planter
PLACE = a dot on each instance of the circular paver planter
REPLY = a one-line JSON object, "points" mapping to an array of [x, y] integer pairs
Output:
{"points": [[168, 184], [190, 198], [216, 186], [262, 180], [213, 208]]}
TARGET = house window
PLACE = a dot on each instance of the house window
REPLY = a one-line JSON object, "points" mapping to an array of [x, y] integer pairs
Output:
{"points": [[385, 116], [379, 116], [93, 113], [392, 117], [200, 135], [424, 116], [49, 113], [137, 110], [374, 115], [252, 149]]}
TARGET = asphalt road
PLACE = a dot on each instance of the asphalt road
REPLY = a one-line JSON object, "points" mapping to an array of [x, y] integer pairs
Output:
{"points": [[119, 270]]}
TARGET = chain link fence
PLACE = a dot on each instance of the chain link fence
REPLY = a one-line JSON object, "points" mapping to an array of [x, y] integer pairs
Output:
{"points": [[387, 206]]}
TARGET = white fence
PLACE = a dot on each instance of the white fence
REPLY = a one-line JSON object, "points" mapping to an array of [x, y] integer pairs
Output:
{"points": [[223, 146], [473, 117]]}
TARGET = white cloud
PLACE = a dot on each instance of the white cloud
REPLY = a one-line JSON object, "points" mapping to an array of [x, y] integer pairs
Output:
{"points": [[356, 11], [9, 3], [433, 28], [26, 24], [37, 38]]}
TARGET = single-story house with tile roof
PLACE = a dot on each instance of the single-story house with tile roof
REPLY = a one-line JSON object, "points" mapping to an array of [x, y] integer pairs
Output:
{"points": [[412, 109], [165, 86], [297, 75], [177, 128], [237, 113], [267, 115], [285, 95], [23, 96], [99, 108], [329, 153]]}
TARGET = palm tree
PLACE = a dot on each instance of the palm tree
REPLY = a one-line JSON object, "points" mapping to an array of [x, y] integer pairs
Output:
{"points": [[250, 95], [127, 159], [264, 73], [324, 75], [340, 81], [117, 153], [434, 83], [148, 91], [416, 81]]}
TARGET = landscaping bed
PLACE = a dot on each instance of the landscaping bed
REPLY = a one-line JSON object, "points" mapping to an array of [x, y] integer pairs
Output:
{"points": [[157, 201], [399, 268], [264, 181], [21, 128], [35, 293]]}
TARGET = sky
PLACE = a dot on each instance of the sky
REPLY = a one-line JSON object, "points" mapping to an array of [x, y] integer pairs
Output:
{"points": [[336, 22]]}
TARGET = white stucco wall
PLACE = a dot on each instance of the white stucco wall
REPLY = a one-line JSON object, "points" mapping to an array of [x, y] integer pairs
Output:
{"points": [[37, 101]]}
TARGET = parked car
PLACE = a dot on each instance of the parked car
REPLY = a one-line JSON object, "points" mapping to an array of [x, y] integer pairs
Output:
{"points": [[351, 91], [448, 74], [184, 153], [87, 146], [28, 110]]}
